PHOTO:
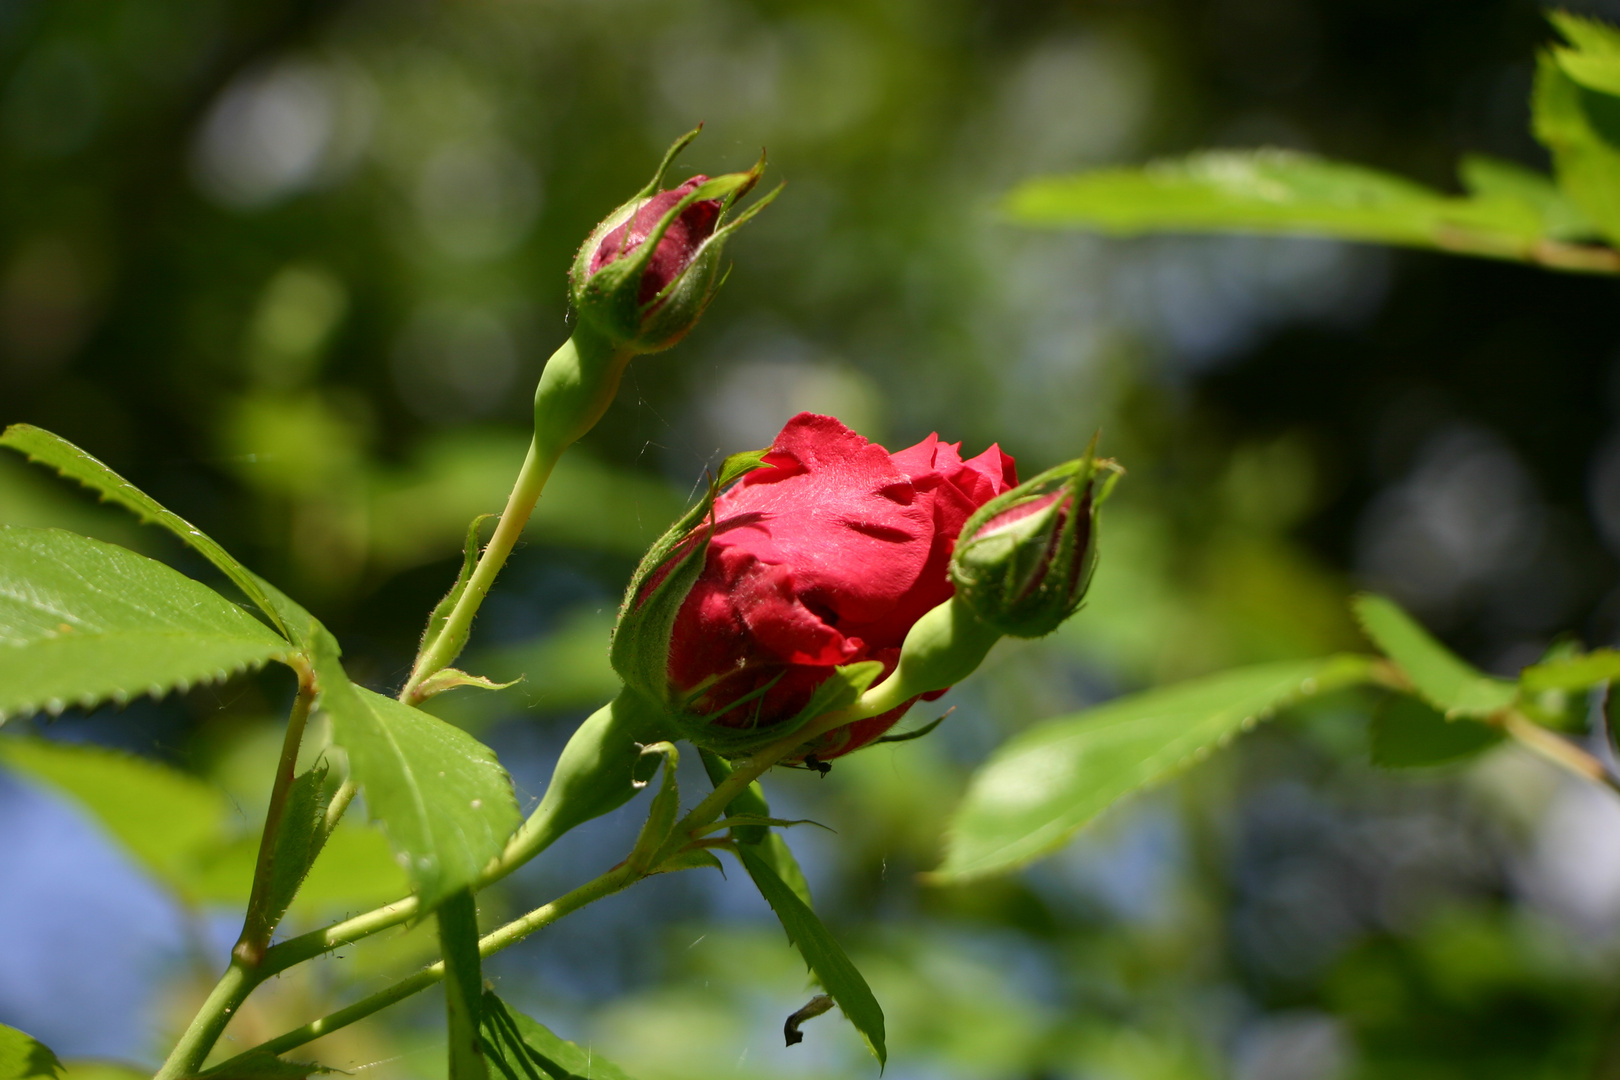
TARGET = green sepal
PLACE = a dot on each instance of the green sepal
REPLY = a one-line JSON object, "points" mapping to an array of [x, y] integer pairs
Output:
{"points": [[640, 646], [756, 821], [609, 300], [441, 613], [450, 678], [839, 690], [660, 824]]}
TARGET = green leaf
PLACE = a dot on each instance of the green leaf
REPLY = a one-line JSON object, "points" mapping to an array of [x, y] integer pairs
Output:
{"points": [[1580, 672], [1582, 129], [1407, 732], [1561, 218], [444, 800], [166, 819], [524, 1049], [1594, 62], [355, 870], [41, 446], [1278, 191], [83, 622], [1045, 784], [300, 838], [463, 984], [748, 808], [832, 968], [1448, 682], [23, 1057]]}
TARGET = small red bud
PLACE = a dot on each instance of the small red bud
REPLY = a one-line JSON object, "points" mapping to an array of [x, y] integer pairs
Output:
{"points": [[680, 243]]}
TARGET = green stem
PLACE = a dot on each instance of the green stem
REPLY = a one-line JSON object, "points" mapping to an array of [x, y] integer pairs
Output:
{"points": [[199, 1038], [611, 882], [577, 386], [463, 985], [1555, 748], [527, 843], [441, 651], [257, 924]]}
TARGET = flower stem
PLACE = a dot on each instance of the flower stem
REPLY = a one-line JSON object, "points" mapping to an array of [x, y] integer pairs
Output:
{"points": [[205, 1028], [256, 924], [577, 386], [510, 934], [1555, 748]]}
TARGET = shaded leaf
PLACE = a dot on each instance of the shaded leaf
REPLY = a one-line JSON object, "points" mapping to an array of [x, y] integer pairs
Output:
{"points": [[1043, 785], [523, 1049], [440, 794], [1406, 732], [768, 845], [23, 1057], [165, 818], [1447, 681], [826, 959], [441, 613], [691, 859], [42, 446], [83, 622]]}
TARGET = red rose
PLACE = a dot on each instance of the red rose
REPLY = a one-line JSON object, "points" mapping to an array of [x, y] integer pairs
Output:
{"points": [[679, 245], [827, 557]]}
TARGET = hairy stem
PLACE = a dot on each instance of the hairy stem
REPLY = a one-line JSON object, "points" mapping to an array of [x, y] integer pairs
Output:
{"points": [[199, 1038], [441, 651], [577, 386], [256, 924], [510, 934]]}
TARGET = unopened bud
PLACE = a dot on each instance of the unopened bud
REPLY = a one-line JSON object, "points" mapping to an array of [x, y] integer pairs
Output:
{"points": [[1025, 559], [646, 273]]}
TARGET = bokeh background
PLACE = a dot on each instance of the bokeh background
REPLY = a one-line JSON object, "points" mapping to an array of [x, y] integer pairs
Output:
{"points": [[293, 268]]}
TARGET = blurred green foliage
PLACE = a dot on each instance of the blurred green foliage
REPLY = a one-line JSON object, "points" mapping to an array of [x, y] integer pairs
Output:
{"points": [[294, 267]]}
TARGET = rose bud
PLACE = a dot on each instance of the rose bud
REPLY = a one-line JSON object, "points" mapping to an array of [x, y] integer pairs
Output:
{"points": [[824, 555], [645, 274], [1026, 558]]}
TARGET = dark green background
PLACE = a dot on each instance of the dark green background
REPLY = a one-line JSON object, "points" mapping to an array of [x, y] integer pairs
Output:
{"points": [[293, 268]]}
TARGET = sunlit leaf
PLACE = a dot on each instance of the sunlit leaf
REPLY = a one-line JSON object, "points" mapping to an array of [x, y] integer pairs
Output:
{"points": [[1447, 681], [1050, 781], [1407, 732], [444, 800], [1582, 129], [1594, 62], [53, 450], [83, 622], [23, 1057], [1278, 191], [1572, 673], [826, 959], [523, 1049], [1561, 218]]}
